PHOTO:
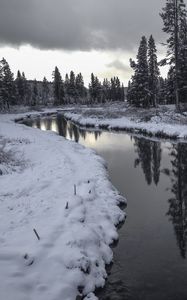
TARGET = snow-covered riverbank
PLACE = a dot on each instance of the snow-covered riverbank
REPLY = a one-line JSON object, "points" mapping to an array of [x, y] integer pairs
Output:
{"points": [[61, 190], [163, 122]]}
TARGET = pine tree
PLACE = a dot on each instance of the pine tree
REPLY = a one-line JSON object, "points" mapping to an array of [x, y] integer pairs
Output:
{"points": [[106, 90], [58, 87], [95, 89], [162, 90], [129, 95], [139, 93], [26, 90], [183, 61], [113, 88], [170, 86], [45, 91], [72, 89], [79, 86], [7, 86], [153, 71], [35, 93], [20, 86], [122, 98], [172, 15]]}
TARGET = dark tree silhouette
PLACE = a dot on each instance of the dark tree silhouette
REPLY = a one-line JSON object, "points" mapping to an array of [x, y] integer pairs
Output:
{"points": [[178, 203]]}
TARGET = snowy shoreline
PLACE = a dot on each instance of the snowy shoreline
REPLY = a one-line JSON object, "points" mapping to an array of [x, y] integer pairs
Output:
{"points": [[155, 128], [40, 173]]}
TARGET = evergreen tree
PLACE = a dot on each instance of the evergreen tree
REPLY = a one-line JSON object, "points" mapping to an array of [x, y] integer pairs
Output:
{"points": [[129, 90], [79, 86], [139, 92], [153, 71], [26, 90], [72, 89], [20, 85], [162, 90], [113, 89], [35, 93], [45, 91], [95, 89], [58, 87], [183, 61], [7, 87], [170, 86], [106, 90], [173, 15], [66, 82], [122, 98]]}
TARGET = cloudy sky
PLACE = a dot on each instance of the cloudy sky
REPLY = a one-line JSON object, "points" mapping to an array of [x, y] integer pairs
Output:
{"points": [[84, 35]]}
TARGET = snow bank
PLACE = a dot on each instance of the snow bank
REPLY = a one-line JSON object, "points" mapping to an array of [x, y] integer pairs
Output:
{"points": [[155, 127], [60, 189]]}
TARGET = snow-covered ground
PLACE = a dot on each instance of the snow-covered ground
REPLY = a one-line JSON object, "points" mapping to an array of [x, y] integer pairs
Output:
{"points": [[60, 189], [161, 122]]}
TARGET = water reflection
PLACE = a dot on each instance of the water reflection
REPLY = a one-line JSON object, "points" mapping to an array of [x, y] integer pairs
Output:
{"points": [[62, 127], [149, 261], [149, 157], [178, 202]]}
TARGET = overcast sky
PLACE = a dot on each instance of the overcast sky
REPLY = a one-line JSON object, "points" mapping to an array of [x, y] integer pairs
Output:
{"points": [[83, 35]]}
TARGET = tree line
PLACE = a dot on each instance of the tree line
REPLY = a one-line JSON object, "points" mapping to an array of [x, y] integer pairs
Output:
{"points": [[70, 90], [146, 87]]}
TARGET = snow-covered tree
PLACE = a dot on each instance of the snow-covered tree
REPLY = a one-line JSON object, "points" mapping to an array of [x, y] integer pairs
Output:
{"points": [[95, 89], [7, 86], [35, 93], [139, 91], [153, 71], [58, 87], [45, 91], [22, 88], [106, 90], [72, 88]]}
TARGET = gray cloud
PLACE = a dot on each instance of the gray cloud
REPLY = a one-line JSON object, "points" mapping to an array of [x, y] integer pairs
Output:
{"points": [[79, 24], [118, 65]]}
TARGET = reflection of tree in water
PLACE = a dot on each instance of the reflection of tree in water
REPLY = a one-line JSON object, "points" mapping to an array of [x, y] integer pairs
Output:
{"points": [[157, 155], [61, 125], [82, 133], [75, 132], [178, 203], [97, 134], [47, 123], [38, 123], [149, 156]]}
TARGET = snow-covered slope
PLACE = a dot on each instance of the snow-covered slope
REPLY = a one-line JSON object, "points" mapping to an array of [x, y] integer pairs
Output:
{"points": [[61, 190]]}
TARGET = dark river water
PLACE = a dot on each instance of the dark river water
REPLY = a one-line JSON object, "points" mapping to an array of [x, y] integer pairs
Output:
{"points": [[150, 257]]}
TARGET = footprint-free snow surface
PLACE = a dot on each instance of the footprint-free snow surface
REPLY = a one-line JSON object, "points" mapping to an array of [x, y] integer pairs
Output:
{"points": [[58, 212]]}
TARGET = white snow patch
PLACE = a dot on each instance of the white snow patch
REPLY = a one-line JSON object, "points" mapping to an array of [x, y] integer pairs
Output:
{"points": [[75, 231]]}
